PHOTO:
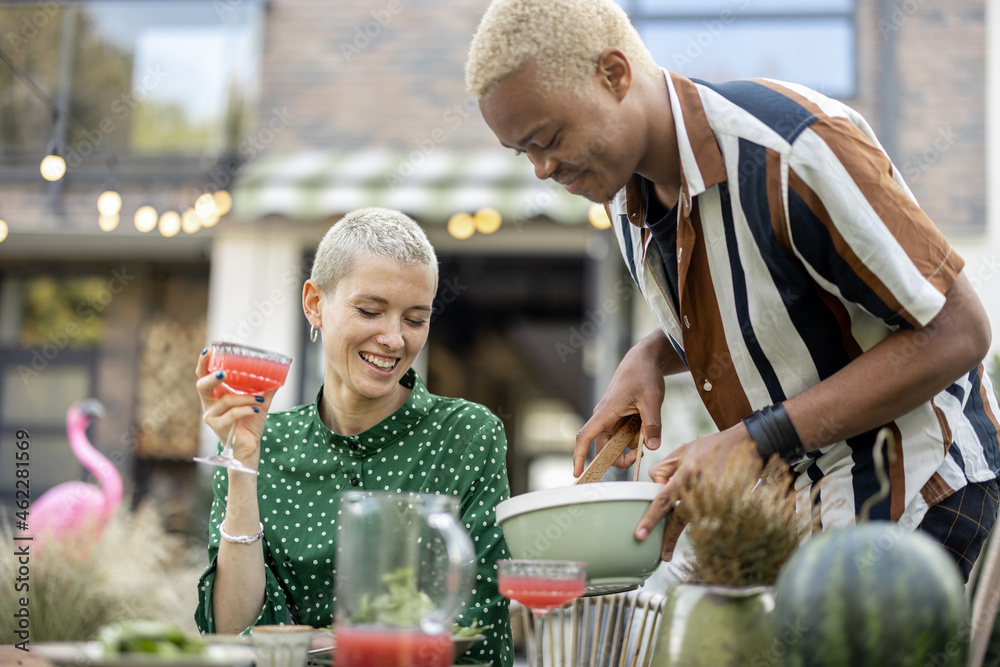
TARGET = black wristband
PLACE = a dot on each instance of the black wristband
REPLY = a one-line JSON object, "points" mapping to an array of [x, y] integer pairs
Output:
{"points": [[773, 433]]}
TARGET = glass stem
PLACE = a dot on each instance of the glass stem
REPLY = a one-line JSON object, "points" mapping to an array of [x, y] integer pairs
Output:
{"points": [[227, 450], [539, 627]]}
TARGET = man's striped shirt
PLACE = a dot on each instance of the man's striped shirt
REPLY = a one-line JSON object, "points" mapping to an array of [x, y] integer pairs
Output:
{"points": [[799, 247]]}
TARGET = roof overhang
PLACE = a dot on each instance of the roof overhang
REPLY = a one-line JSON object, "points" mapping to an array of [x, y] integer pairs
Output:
{"points": [[431, 186]]}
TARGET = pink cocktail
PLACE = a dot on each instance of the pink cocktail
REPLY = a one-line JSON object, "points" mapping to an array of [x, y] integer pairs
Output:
{"points": [[541, 586], [248, 370], [389, 647], [249, 374], [541, 594]]}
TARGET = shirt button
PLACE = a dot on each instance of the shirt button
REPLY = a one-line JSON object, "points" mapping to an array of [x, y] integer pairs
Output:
{"points": [[355, 481], [353, 445], [707, 386], [686, 323]]}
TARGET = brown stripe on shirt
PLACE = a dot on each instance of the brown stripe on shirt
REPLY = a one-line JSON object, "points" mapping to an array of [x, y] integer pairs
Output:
{"points": [[705, 346], [871, 170], [699, 133], [775, 203], [984, 397], [845, 251], [897, 475], [935, 490]]}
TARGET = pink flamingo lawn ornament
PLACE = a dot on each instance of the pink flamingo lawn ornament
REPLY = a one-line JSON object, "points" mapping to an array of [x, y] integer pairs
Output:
{"points": [[78, 509]]}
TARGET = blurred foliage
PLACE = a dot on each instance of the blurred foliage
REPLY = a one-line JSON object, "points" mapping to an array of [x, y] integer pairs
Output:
{"points": [[64, 311], [137, 570]]}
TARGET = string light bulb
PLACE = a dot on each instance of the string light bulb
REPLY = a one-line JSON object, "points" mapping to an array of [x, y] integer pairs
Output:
{"points": [[598, 217], [108, 223], [461, 226], [204, 206], [145, 219], [109, 203], [170, 223], [487, 220], [4, 230], [223, 202], [53, 167], [190, 222]]}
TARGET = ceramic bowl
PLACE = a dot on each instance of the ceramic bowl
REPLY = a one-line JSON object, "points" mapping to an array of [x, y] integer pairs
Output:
{"points": [[594, 523]]}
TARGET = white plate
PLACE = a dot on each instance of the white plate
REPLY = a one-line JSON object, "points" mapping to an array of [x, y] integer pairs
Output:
{"points": [[92, 654]]}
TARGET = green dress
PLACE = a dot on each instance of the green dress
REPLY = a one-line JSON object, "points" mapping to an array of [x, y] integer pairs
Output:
{"points": [[431, 444]]}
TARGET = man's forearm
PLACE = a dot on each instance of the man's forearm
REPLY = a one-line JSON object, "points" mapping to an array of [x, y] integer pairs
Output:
{"points": [[896, 376]]}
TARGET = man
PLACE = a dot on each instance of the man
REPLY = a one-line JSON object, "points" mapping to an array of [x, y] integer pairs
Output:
{"points": [[789, 268]]}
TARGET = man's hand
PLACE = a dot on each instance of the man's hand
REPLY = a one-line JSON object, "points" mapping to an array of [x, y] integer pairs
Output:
{"points": [[698, 462], [637, 387]]}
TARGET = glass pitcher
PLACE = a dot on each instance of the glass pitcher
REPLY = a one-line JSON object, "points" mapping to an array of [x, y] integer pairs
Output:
{"points": [[404, 570]]}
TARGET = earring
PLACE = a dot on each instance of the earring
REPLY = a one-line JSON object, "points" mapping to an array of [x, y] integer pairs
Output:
{"points": [[313, 333]]}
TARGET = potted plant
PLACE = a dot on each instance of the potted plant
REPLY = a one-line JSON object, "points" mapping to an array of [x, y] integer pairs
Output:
{"points": [[741, 534]]}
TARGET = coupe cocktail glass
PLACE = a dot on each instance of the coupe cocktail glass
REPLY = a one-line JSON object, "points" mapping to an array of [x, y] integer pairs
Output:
{"points": [[249, 370], [541, 586]]}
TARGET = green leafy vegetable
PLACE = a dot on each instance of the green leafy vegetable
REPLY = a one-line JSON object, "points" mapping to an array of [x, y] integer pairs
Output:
{"points": [[147, 637], [401, 606]]}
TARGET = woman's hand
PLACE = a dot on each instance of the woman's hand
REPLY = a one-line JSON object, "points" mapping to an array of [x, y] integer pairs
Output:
{"points": [[223, 409]]}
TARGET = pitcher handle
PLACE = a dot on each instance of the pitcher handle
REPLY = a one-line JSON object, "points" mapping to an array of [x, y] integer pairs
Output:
{"points": [[461, 565]]}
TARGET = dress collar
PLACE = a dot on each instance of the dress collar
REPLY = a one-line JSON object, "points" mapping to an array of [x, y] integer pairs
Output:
{"points": [[388, 431]]}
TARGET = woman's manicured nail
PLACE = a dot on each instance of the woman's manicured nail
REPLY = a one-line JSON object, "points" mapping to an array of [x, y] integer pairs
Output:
{"points": [[256, 409], [204, 352], [260, 399], [220, 375]]}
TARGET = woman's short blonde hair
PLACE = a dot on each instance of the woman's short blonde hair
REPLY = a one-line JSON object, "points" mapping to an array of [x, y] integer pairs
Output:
{"points": [[381, 232], [562, 38]]}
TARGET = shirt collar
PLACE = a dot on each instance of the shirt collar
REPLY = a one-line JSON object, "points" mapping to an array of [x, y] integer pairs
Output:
{"points": [[389, 430], [702, 166]]}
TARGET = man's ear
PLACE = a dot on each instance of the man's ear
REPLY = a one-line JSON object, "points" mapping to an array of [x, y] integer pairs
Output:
{"points": [[615, 71]]}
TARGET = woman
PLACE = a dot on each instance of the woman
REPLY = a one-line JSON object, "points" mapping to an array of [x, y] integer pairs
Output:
{"points": [[372, 426]]}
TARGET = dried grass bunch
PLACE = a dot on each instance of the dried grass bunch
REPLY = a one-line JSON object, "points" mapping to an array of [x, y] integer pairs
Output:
{"points": [[137, 570], [741, 532]]}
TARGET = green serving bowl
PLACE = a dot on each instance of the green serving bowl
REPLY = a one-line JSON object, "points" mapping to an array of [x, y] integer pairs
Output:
{"points": [[594, 523]]}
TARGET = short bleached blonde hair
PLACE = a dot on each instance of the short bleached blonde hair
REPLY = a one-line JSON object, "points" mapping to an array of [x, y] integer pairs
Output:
{"points": [[375, 231], [562, 38]]}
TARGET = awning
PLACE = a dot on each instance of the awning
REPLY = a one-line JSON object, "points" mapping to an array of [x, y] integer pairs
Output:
{"points": [[430, 185]]}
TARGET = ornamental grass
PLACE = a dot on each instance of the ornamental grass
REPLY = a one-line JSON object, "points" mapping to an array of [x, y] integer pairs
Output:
{"points": [[742, 532], [137, 570]]}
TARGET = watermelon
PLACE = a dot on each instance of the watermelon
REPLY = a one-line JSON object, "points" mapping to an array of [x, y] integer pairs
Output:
{"points": [[870, 594]]}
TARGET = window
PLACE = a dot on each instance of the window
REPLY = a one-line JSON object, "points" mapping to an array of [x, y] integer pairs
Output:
{"points": [[810, 43], [143, 78]]}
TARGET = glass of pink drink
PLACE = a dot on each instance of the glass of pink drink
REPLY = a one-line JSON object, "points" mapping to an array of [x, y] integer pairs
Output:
{"points": [[541, 586], [249, 370], [392, 647]]}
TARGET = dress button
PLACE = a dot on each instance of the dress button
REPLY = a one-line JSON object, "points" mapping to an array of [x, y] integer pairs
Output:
{"points": [[707, 386], [686, 323], [355, 481], [353, 445]]}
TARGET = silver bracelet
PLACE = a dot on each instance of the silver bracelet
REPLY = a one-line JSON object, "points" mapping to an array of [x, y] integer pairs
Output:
{"points": [[240, 539]]}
